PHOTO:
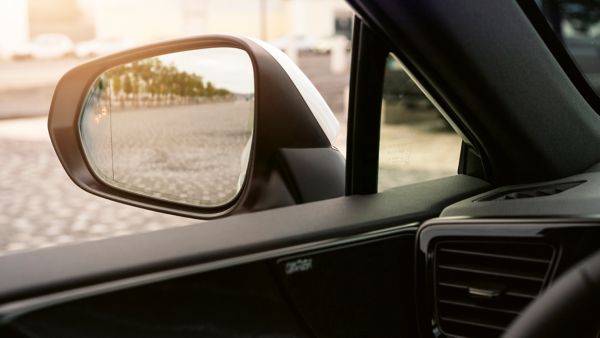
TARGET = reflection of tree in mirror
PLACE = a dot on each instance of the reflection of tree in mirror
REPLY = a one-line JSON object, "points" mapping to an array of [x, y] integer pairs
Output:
{"points": [[150, 82]]}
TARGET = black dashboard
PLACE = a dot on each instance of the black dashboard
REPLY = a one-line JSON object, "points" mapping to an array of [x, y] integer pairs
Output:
{"points": [[477, 275], [487, 257]]}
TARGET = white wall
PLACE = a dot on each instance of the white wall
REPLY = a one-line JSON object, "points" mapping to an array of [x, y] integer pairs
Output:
{"points": [[143, 21], [159, 19], [14, 27]]}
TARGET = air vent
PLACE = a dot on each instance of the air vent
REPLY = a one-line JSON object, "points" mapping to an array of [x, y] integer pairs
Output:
{"points": [[531, 192], [480, 287]]}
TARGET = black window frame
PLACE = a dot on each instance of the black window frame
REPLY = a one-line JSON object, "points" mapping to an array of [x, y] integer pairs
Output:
{"points": [[367, 71]]}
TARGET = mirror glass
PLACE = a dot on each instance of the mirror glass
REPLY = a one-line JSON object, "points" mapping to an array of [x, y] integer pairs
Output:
{"points": [[176, 127]]}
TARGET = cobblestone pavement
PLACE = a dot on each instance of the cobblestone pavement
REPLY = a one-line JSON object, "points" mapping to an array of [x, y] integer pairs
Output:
{"points": [[185, 153], [40, 206], [417, 151]]}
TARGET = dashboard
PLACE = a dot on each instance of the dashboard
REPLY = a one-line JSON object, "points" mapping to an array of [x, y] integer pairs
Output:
{"points": [[487, 257]]}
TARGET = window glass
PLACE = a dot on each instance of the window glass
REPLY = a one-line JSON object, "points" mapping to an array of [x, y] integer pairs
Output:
{"points": [[577, 24], [41, 39], [417, 143]]}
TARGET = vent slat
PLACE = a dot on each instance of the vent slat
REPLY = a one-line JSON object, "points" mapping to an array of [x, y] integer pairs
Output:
{"points": [[508, 293], [520, 294], [494, 255], [474, 323], [488, 271], [477, 306], [481, 286]]}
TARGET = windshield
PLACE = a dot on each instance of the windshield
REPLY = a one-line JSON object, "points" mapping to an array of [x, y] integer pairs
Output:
{"points": [[577, 24]]}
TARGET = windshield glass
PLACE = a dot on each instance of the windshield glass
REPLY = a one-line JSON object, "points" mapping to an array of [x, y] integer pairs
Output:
{"points": [[577, 24]]}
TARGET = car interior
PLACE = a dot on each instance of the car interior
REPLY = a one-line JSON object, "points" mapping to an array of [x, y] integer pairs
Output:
{"points": [[310, 247]]}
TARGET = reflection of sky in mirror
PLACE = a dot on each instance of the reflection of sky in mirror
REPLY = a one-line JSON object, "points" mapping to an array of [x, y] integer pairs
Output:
{"points": [[228, 68]]}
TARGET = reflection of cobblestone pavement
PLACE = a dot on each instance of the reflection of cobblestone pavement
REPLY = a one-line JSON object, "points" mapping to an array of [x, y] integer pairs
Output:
{"points": [[40, 206], [186, 153]]}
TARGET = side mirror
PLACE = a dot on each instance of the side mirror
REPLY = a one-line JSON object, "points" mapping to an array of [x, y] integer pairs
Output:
{"points": [[200, 127]]}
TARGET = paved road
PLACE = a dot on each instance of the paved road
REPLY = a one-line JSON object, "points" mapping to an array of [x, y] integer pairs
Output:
{"points": [[417, 151], [33, 73], [26, 87], [40, 206], [191, 154]]}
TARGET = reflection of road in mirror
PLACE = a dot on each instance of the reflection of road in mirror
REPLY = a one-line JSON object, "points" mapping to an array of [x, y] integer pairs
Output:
{"points": [[171, 128], [189, 153]]}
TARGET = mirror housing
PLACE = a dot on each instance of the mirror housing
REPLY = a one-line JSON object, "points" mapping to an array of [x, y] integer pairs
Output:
{"points": [[292, 159]]}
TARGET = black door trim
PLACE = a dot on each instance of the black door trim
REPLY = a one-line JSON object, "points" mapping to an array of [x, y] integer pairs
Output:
{"points": [[369, 54], [39, 273]]}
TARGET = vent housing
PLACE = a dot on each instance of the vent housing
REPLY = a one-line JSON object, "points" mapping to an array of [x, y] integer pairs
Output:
{"points": [[481, 286], [531, 192]]}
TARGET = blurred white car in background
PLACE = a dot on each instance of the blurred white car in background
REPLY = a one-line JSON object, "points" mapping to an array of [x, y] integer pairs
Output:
{"points": [[326, 44], [44, 47], [320, 45], [296, 42], [99, 47]]}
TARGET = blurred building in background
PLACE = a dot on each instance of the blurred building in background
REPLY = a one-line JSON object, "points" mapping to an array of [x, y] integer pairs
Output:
{"points": [[265, 19], [306, 24], [14, 25], [59, 17]]}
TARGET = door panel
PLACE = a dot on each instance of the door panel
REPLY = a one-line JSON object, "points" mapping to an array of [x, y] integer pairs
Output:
{"points": [[64, 274], [241, 301], [361, 290], [354, 290]]}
